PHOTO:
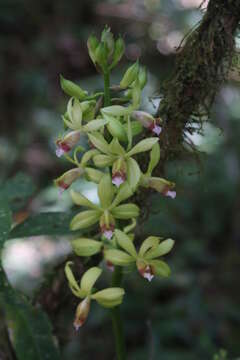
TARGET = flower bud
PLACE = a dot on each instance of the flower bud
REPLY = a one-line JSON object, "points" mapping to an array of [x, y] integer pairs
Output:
{"points": [[66, 180], [82, 312], [108, 40], [119, 172], [129, 76], [118, 52], [163, 186], [72, 89], [101, 56], [67, 143], [107, 225], [92, 44], [147, 121], [145, 270], [142, 77]]}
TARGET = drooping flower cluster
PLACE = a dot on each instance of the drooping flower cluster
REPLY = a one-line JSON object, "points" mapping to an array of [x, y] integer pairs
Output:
{"points": [[112, 162]]}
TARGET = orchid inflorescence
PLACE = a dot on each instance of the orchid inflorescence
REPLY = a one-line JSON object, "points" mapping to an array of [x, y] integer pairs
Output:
{"points": [[112, 129]]}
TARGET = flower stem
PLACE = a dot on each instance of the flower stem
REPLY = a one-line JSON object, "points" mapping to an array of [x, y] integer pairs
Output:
{"points": [[107, 100], [117, 324], [117, 320]]}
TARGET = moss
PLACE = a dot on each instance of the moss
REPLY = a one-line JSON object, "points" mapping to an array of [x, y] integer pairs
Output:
{"points": [[202, 65]]}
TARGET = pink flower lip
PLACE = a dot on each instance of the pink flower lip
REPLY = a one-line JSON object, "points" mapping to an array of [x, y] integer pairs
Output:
{"points": [[118, 178], [108, 234], [156, 129], [107, 231], [147, 273], [171, 194]]}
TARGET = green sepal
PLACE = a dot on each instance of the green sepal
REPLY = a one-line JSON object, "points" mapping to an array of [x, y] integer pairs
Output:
{"points": [[85, 219], [125, 243], [86, 247], [126, 211], [118, 257], [89, 278]]}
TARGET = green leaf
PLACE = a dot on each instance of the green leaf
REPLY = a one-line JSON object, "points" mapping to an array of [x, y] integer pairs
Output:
{"points": [[30, 329], [5, 220], [18, 190], [52, 223]]}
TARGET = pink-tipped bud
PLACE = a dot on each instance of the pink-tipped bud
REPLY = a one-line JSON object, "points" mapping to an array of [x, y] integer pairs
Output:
{"points": [[147, 121], [81, 313], [146, 271], [67, 143], [66, 180]]}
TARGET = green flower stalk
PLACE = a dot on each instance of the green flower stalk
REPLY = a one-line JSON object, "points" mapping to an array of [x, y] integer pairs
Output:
{"points": [[118, 136]]}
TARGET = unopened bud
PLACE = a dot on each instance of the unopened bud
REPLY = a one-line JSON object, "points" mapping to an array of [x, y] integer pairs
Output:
{"points": [[147, 121], [107, 38], [82, 312], [118, 52], [66, 180], [163, 186], [92, 44], [130, 75], [67, 143], [72, 89]]}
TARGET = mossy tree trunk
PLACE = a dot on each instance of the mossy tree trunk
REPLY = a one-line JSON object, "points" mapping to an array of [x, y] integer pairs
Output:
{"points": [[202, 65]]}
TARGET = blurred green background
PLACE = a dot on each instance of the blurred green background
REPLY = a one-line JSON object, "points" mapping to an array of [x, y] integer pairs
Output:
{"points": [[195, 312]]}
